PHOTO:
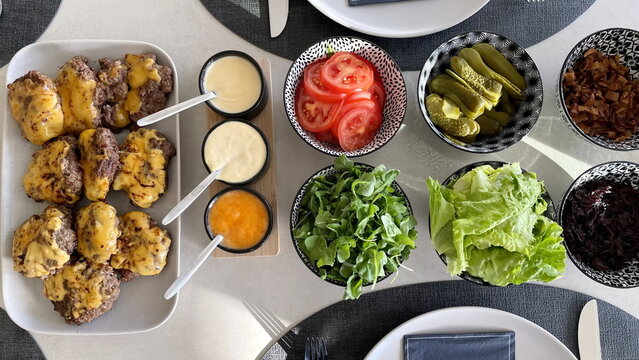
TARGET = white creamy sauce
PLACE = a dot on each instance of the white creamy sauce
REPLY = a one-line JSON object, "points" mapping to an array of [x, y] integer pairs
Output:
{"points": [[236, 83], [238, 148]]}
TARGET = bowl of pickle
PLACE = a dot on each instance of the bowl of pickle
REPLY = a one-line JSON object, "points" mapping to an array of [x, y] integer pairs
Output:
{"points": [[480, 92]]}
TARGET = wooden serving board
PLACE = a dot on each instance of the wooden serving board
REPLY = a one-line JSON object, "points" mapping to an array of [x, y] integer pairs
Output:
{"points": [[267, 184]]}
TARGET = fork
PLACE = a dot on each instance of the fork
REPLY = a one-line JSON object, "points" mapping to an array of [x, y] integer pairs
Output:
{"points": [[315, 349]]}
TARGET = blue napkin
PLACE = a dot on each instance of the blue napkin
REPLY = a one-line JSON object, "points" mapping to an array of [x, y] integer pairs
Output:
{"points": [[368, 2], [479, 346]]}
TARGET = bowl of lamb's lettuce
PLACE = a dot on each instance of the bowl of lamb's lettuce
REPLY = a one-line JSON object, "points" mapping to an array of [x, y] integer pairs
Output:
{"points": [[352, 225], [492, 223]]}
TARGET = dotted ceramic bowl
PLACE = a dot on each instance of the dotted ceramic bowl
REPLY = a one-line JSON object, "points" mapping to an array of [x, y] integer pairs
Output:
{"points": [[527, 111], [295, 210], [621, 172], [394, 108], [550, 211], [616, 41]]}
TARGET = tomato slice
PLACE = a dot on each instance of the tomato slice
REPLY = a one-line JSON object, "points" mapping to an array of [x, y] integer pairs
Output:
{"points": [[358, 127], [345, 72], [327, 137], [314, 86], [315, 115], [359, 99], [379, 94], [377, 75]]}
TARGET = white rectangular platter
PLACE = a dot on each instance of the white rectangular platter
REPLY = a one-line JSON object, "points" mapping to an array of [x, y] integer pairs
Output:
{"points": [[141, 305]]}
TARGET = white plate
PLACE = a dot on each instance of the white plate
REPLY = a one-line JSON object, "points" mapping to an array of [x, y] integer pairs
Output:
{"points": [[141, 305], [531, 341], [399, 19]]}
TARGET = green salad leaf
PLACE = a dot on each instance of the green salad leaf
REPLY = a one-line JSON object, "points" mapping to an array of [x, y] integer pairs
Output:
{"points": [[353, 227], [489, 223]]}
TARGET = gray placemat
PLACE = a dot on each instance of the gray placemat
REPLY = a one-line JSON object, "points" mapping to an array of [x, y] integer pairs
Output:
{"points": [[527, 23], [352, 328], [16, 343], [22, 22]]}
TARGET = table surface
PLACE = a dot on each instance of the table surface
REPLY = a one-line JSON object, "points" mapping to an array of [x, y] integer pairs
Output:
{"points": [[211, 320]]}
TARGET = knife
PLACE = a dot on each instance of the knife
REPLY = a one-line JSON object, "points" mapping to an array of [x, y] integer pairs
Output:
{"points": [[588, 332], [277, 16]]}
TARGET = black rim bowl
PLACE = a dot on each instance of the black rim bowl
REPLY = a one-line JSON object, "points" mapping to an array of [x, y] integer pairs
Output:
{"points": [[269, 210], [254, 110], [293, 120], [295, 209], [550, 212], [458, 144], [582, 266], [267, 161], [561, 102]]}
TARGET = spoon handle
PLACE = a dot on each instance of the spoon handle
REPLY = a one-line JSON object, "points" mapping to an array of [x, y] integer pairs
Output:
{"points": [[171, 110], [188, 199], [186, 275]]}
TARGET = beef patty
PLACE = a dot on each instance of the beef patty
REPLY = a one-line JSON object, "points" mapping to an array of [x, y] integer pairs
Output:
{"points": [[99, 158], [151, 84]]}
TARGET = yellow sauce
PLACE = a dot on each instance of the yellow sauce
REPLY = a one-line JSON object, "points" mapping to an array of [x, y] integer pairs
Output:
{"points": [[142, 173], [97, 229], [41, 181], [36, 108], [34, 241], [240, 217], [95, 188], [77, 100], [237, 148], [142, 248], [235, 81], [82, 281]]}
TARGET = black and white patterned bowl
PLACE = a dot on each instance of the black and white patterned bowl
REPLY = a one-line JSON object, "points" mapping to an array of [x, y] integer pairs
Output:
{"points": [[295, 210], [527, 111], [394, 109], [550, 211], [616, 171], [615, 41]]}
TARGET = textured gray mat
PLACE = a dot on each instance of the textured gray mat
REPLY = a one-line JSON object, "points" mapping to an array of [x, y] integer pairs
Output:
{"points": [[527, 23], [15, 343], [352, 328], [22, 22]]}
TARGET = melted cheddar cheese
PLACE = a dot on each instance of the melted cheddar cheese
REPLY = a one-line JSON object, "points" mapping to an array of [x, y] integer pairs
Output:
{"points": [[142, 247], [42, 180], [141, 71], [35, 252], [77, 100], [36, 108], [98, 232], [95, 188], [142, 174], [121, 115], [81, 281]]}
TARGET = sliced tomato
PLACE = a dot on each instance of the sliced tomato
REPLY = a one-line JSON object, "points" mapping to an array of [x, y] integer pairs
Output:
{"points": [[315, 115], [377, 75], [345, 72], [327, 137], [357, 127], [379, 94], [314, 86], [360, 99]]}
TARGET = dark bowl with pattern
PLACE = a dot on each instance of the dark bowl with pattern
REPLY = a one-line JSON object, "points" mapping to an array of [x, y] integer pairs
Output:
{"points": [[526, 111], [615, 41], [394, 108], [550, 211], [619, 172], [295, 211]]}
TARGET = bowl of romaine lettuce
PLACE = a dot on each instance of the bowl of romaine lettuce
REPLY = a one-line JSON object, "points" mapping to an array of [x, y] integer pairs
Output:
{"points": [[492, 223], [352, 225]]}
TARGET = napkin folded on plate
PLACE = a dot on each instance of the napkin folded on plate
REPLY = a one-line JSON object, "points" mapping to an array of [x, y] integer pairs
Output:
{"points": [[478, 346], [368, 2]]}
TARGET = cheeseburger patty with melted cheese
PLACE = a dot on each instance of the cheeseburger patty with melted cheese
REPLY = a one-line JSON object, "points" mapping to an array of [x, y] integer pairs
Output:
{"points": [[97, 227], [143, 163], [99, 158]]}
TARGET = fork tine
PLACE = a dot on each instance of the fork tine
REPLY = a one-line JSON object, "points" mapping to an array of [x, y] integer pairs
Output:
{"points": [[307, 349], [324, 350], [315, 349]]}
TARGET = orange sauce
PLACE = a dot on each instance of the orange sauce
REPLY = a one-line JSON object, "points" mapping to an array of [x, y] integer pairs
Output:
{"points": [[240, 217]]}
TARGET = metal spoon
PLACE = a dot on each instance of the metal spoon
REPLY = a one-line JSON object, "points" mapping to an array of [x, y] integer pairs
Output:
{"points": [[199, 260], [188, 199], [172, 110]]}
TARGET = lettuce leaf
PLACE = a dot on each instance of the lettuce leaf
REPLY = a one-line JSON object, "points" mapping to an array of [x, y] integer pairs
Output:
{"points": [[489, 223]]}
